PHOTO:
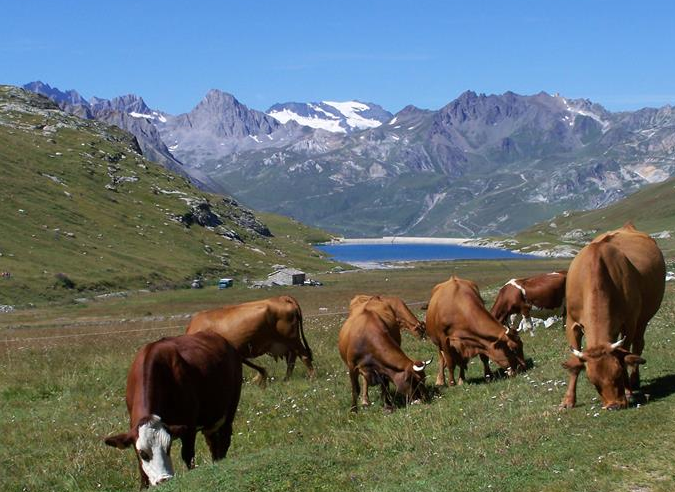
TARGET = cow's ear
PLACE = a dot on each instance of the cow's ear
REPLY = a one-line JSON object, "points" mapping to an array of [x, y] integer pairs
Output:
{"points": [[574, 364], [634, 360], [177, 431], [120, 441]]}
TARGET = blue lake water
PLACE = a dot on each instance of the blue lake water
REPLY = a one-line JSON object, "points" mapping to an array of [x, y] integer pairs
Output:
{"points": [[359, 253]]}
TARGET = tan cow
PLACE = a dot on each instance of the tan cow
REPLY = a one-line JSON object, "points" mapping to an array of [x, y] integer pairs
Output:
{"points": [[368, 349], [405, 319], [615, 286], [522, 295], [269, 326], [461, 327], [396, 317]]}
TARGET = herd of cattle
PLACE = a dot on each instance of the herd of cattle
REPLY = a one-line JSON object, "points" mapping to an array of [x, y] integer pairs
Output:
{"points": [[178, 386]]}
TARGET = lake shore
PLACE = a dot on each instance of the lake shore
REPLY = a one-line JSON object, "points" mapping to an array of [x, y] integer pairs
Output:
{"points": [[402, 240]]}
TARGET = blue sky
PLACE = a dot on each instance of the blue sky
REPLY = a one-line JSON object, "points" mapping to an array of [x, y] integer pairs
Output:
{"points": [[618, 53]]}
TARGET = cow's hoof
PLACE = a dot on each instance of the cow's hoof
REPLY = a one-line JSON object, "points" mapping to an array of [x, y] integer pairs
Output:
{"points": [[565, 405], [388, 410]]}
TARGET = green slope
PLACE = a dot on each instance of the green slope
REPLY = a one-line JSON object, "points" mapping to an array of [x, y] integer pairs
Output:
{"points": [[652, 209], [81, 211]]}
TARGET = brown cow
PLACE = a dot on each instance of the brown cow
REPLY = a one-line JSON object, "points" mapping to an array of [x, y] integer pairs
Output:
{"points": [[175, 387], [269, 326], [405, 319], [615, 285], [396, 316], [461, 328], [368, 349], [520, 295]]}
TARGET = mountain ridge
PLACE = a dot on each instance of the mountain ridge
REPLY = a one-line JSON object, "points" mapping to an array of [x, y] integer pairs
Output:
{"points": [[479, 165]]}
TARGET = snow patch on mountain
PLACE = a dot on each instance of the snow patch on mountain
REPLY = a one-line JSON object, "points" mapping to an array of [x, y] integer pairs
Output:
{"points": [[314, 121], [351, 110], [331, 116]]}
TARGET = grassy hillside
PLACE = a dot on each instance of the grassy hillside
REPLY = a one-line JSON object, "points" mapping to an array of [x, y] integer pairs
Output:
{"points": [[83, 212], [652, 209], [62, 378]]}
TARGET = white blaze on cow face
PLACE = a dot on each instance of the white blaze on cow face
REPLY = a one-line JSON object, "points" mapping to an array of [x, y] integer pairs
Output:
{"points": [[153, 446]]}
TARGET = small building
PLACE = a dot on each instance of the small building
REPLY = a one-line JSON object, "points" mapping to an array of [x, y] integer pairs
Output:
{"points": [[286, 276], [224, 283]]}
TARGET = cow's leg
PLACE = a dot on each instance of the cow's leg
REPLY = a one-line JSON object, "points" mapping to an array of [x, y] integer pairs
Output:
{"points": [[574, 366], [219, 441], [290, 364], [354, 380], [487, 373], [526, 322], [440, 378], [451, 363], [187, 451], [307, 360], [261, 378], [463, 367], [637, 348], [386, 396], [365, 401], [305, 357]]}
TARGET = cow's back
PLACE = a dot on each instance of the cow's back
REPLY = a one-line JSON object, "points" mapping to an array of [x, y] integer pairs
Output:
{"points": [[187, 379], [451, 306], [365, 335], [617, 279]]}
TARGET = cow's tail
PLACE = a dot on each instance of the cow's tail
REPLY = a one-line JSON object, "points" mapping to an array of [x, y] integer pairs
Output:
{"points": [[302, 335]]}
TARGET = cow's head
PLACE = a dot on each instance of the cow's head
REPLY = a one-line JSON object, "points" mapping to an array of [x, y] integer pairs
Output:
{"points": [[507, 352], [151, 439], [405, 318], [606, 369], [420, 330], [410, 382]]}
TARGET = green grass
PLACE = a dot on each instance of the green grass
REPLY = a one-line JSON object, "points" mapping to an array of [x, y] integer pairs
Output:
{"points": [[652, 209], [60, 396], [59, 218]]}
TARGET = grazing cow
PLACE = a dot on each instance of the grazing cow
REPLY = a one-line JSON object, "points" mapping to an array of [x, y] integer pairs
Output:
{"points": [[269, 326], [175, 387], [461, 328], [521, 295], [395, 315], [368, 349], [615, 286], [405, 319]]}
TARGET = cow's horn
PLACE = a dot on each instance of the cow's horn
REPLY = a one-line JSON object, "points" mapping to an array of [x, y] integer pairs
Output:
{"points": [[419, 368], [618, 344], [576, 352], [427, 362]]}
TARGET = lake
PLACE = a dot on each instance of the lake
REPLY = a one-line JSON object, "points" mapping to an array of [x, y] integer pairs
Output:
{"points": [[373, 253]]}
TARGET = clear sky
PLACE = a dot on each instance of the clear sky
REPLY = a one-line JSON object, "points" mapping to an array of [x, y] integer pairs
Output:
{"points": [[615, 52]]}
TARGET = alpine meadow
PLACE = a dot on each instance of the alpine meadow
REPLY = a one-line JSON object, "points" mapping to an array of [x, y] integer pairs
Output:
{"points": [[354, 246]]}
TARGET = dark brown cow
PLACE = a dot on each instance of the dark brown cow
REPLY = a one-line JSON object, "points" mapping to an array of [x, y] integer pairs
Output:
{"points": [[461, 327], [615, 285], [521, 295], [269, 326], [395, 315], [175, 387], [368, 349]]}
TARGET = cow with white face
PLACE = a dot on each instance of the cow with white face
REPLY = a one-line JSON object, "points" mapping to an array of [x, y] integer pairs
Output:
{"points": [[175, 387]]}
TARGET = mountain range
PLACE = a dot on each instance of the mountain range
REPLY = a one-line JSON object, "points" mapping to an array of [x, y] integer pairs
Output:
{"points": [[480, 165]]}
